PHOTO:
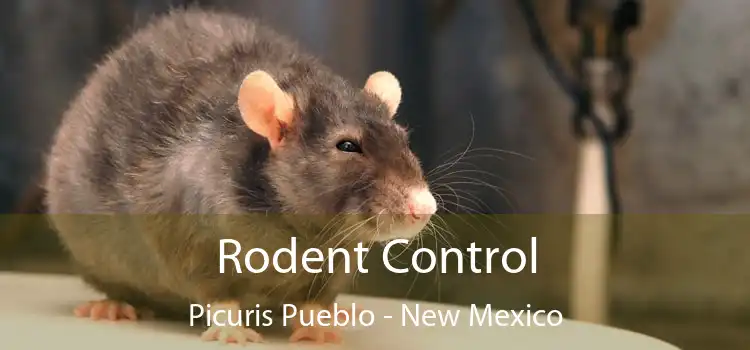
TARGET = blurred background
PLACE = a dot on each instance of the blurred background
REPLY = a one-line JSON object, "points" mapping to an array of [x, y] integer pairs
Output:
{"points": [[470, 74]]}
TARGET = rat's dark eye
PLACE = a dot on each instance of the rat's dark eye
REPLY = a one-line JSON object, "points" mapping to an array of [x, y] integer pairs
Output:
{"points": [[348, 146]]}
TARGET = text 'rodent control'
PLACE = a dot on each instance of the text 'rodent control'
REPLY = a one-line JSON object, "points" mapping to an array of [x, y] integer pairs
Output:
{"points": [[257, 260]]}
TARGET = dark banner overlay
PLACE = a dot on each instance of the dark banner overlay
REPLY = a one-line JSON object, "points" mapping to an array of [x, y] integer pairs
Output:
{"points": [[285, 261]]}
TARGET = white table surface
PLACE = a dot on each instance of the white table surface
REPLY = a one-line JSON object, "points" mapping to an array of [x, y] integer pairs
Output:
{"points": [[36, 313]]}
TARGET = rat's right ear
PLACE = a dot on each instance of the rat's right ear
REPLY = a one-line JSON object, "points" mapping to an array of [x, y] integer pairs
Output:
{"points": [[385, 86], [264, 107]]}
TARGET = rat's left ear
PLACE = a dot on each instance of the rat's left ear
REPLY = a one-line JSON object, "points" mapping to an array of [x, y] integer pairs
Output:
{"points": [[264, 107], [386, 87]]}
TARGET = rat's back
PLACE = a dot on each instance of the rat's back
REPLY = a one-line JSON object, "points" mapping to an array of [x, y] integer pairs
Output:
{"points": [[150, 128], [149, 105]]}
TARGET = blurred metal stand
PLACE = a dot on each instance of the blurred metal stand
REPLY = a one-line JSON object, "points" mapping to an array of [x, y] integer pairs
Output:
{"points": [[591, 235], [601, 121]]}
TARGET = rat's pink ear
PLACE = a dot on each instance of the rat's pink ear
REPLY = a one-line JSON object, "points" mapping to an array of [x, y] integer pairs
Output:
{"points": [[386, 87], [264, 107]]}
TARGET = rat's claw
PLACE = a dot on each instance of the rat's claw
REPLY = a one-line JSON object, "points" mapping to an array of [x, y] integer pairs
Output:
{"points": [[318, 335], [229, 334], [106, 309]]}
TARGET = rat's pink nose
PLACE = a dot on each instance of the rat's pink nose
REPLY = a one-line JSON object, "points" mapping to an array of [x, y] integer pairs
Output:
{"points": [[422, 204]]}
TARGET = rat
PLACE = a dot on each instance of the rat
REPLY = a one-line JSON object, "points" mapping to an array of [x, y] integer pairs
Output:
{"points": [[200, 118]]}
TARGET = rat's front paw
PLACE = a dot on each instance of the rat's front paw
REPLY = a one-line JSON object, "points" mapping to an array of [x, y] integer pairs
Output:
{"points": [[316, 334], [106, 309], [231, 334]]}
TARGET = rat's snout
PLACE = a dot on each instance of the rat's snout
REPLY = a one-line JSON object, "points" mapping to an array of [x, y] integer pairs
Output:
{"points": [[409, 217], [421, 204]]}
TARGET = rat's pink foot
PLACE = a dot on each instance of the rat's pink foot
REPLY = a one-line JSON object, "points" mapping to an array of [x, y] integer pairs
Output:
{"points": [[346, 312], [316, 334], [230, 334], [106, 309]]}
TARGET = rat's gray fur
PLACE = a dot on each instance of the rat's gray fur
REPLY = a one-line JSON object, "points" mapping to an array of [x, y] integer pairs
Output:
{"points": [[156, 135]]}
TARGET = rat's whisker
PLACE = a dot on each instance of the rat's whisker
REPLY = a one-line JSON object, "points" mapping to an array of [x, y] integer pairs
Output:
{"points": [[392, 258], [442, 232], [464, 161], [469, 181], [470, 153], [347, 233], [449, 165], [438, 273], [486, 229], [469, 209], [469, 171], [471, 198], [336, 220], [416, 275], [369, 247], [355, 279], [448, 186]]}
